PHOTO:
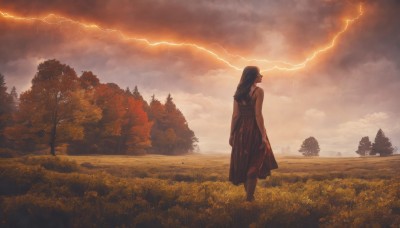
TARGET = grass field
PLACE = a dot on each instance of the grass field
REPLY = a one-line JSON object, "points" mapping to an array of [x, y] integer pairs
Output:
{"points": [[193, 191]]}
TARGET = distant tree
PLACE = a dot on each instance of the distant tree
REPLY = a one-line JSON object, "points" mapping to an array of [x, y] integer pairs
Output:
{"points": [[364, 148], [3, 87], [310, 147], [128, 91], [186, 139], [54, 108], [4, 104], [157, 111], [156, 114], [5, 100], [88, 80], [14, 99], [136, 94], [382, 145], [136, 127], [123, 129], [170, 133], [103, 137], [110, 98], [6, 110]]}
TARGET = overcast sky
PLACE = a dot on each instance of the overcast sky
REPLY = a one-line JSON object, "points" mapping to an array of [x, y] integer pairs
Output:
{"points": [[345, 93]]}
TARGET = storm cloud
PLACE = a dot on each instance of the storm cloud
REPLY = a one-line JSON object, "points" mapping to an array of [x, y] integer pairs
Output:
{"points": [[346, 93]]}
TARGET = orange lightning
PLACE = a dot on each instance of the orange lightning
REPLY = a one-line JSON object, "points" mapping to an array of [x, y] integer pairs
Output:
{"points": [[54, 19]]}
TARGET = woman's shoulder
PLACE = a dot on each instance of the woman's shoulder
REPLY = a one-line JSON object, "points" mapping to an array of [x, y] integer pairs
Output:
{"points": [[259, 90]]}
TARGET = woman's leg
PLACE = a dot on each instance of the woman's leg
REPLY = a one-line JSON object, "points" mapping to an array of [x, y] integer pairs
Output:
{"points": [[250, 188], [251, 183]]}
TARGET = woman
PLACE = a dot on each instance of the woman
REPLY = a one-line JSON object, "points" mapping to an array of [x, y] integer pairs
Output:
{"points": [[252, 156]]}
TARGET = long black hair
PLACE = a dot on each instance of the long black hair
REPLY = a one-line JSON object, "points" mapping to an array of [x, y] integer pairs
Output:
{"points": [[249, 75]]}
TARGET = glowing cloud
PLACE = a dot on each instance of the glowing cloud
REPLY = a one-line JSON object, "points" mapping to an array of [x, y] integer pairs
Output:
{"points": [[226, 57]]}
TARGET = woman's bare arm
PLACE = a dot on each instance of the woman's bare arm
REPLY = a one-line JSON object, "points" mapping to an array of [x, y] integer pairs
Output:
{"points": [[259, 118]]}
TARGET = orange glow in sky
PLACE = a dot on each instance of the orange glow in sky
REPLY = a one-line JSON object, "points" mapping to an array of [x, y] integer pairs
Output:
{"points": [[226, 57]]}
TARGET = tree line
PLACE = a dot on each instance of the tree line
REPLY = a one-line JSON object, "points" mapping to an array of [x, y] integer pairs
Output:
{"points": [[381, 146], [89, 117]]}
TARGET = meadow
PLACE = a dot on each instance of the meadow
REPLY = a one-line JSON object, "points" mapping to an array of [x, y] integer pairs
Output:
{"points": [[193, 191]]}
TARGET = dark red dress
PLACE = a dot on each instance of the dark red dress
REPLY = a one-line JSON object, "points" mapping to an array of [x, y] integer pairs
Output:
{"points": [[247, 158]]}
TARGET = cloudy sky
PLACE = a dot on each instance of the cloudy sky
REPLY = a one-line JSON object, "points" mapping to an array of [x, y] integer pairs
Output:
{"points": [[347, 92]]}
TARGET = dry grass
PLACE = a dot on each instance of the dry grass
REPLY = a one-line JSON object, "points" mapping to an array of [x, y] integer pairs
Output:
{"points": [[159, 166], [193, 191]]}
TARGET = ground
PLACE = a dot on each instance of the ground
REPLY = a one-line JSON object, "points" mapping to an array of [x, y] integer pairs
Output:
{"points": [[193, 191]]}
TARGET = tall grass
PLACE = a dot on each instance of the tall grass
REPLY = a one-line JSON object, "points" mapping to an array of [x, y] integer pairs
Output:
{"points": [[192, 191]]}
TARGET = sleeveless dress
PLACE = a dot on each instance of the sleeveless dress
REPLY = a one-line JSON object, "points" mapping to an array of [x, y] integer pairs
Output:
{"points": [[248, 160]]}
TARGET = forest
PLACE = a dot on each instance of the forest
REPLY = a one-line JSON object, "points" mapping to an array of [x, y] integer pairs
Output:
{"points": [[81, 115]]}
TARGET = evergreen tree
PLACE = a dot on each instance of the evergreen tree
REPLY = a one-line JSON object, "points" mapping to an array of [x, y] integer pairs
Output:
{"points": [[4, 98], [364, 148], [156, 114], [184, 138], [128, 91], [170, 133], [382, 145], [136, 94], [310, 147], [6, 109], [14, 99]]}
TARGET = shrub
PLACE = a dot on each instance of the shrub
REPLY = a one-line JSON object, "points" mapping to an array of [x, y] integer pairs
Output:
{"points": [[34, 211], [17, 179], [52, 163], [183, 177]]}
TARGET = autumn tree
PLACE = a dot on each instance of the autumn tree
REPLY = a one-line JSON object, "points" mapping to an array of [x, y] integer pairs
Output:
{"points": [[124, 127], [136, 128], [156, 115], [90, 117], [310, 147], [88, 80], [382, 145], [157, 111], [136, 94], [170, 133], [102, 137], [54, 108], [364, 147]]}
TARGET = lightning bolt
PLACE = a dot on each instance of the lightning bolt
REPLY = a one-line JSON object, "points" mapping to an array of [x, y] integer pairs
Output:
{"points": [[267, 65]]}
